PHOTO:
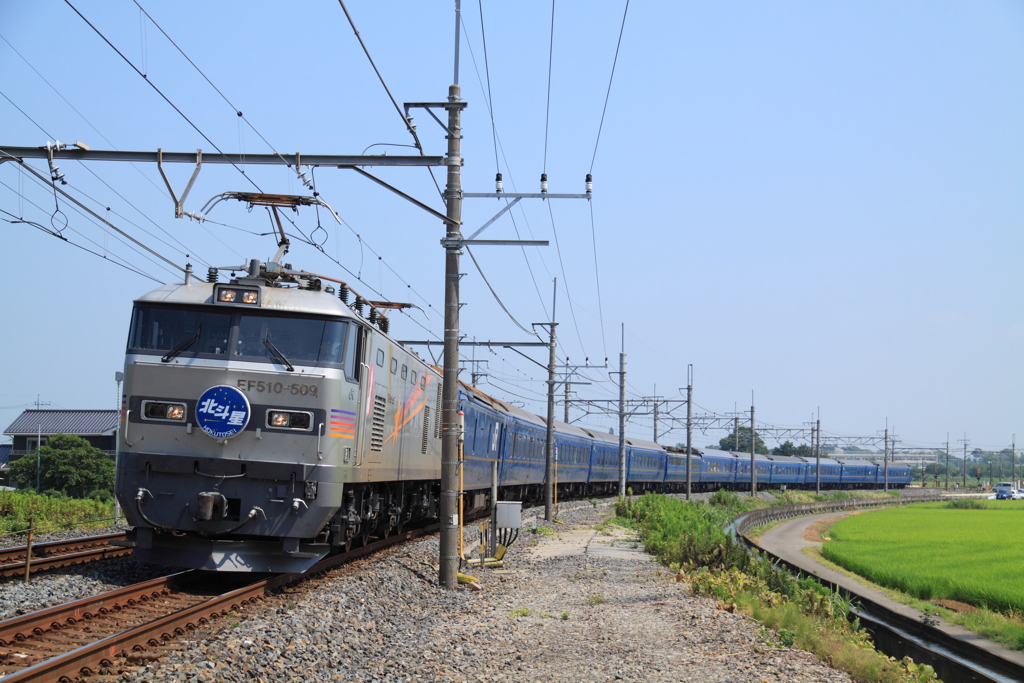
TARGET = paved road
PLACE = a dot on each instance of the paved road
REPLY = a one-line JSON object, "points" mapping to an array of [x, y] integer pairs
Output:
{"points": [[787, 541]]}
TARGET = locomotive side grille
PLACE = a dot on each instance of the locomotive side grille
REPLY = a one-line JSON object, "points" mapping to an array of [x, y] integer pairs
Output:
{"points": [[377, 431], [426, 428], [437, 414]]}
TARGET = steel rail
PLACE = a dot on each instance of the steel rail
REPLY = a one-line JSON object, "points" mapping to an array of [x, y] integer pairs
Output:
{"points": [[60, 553], [54, 618], [87, 659]]}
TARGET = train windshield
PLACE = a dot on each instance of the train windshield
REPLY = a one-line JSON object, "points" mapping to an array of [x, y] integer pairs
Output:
{"points": [[245, 335]]}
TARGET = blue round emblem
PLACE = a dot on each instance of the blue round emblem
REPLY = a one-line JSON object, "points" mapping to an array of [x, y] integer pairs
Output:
{"points": [[222, 412]]}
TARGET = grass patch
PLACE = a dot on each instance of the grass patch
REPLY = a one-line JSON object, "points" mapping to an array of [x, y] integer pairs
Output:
{"points": [[967, 555], [51, 513], [544, 531], [1006, 629], [688, 536]]}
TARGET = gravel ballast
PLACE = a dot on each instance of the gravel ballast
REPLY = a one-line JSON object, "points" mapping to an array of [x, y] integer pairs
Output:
{"points": [[581, 617]]}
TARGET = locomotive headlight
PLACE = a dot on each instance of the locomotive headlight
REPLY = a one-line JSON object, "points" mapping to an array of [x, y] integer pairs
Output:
{"points": [[288, 419], [231, 294], [163, 410]]}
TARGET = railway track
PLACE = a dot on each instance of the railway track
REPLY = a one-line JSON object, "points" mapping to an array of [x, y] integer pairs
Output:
{"points": [[81, 638], [60, 554]]}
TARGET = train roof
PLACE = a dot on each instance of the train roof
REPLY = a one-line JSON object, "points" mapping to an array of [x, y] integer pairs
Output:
{"points": [[824, 461], [715, 453], [791, 459], [854, 461], [640, 443], [285, 299], [758, 457]]}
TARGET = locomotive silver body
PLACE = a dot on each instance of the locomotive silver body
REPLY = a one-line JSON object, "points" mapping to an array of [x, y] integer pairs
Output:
{"points": [[259, 418]]}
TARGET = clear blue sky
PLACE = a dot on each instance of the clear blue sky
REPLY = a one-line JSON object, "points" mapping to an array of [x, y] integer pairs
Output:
{"points": [[821, 203]]}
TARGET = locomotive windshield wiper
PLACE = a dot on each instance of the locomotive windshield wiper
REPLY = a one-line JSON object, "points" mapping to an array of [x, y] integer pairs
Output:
{"points": [[278, 355], [182, 346]]}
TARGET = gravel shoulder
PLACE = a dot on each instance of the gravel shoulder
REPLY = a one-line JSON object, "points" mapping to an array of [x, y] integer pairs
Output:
{"points": [[603, 613]]}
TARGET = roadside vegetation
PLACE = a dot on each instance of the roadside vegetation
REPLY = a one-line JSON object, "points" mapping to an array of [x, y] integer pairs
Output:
{"points": [[51, 512], [940, 553], [689, 538]]}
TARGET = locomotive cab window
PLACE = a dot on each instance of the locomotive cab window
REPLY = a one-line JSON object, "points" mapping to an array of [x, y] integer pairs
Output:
{"points": [[380, 357], [242, 334]]}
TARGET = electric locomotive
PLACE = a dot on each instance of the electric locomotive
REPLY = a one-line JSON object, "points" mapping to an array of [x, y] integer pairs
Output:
{"points": [[264, 422]]}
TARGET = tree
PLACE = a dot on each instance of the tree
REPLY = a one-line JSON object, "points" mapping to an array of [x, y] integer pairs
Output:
{"points": [[68, 464], [729, 442]]}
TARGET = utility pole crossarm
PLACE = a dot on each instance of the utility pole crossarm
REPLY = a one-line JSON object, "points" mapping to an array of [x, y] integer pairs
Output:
{"points": [[273, 159]]}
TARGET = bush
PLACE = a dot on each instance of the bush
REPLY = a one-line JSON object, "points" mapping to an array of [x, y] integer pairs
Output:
{"points": [[67, 464], [966, 504]]}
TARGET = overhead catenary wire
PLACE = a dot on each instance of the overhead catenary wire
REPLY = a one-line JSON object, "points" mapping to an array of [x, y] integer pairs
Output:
{"points": [[162, 95], [497, 140], [43, 178], [405, 119], [611, 78], [308, 182], [547, 110], [496, 297], [59, 234], [74, 244]]}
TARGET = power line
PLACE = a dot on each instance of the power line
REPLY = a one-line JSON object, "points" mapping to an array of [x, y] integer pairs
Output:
{"points": [[547, 111], [405, 118], [608, 94], [31, 170], [159, 92]]}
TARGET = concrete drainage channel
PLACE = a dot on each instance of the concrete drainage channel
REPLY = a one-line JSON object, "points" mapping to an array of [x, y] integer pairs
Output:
{"points": [[954, 660]]}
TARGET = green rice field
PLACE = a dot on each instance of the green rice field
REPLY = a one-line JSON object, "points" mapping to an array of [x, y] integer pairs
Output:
{"points": [[932, 552]]}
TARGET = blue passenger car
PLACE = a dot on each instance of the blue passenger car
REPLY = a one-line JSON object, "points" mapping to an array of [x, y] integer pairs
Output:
{"points": [[857, 474], [831, 473], [718, 469], [645, 464], [787, 471]]}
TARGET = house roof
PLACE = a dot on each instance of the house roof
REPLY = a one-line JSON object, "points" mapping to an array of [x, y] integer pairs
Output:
{"points": [[50, 422]]}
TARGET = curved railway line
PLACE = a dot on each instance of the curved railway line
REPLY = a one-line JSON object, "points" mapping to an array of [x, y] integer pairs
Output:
{"points": [[955, 660], [80, 638]]}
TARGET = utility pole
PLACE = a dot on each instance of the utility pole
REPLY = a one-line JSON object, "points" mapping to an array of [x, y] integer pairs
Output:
{"points": [[39, 441], [1013, 460], [655, 399], [622, 415], [449, 560], [567, 385], [736, 432], [816, 447], [549, 452], [965, 442], [947, 461], [689, 427], [885, 458], [753, 466]]}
